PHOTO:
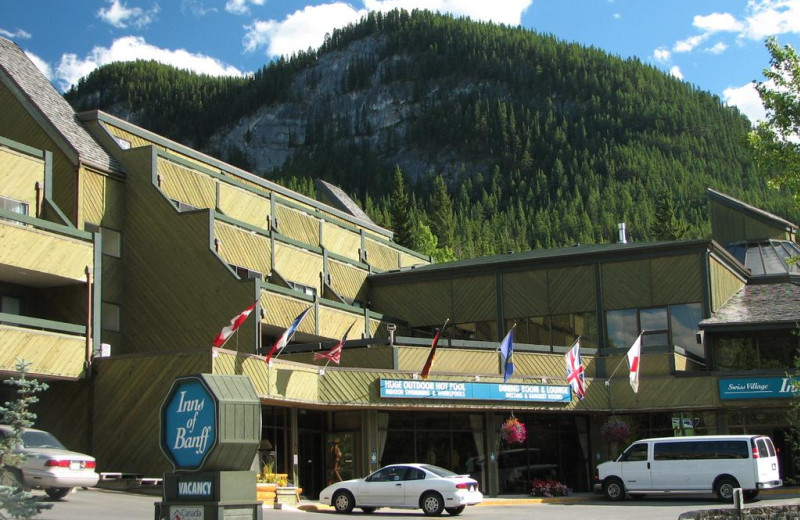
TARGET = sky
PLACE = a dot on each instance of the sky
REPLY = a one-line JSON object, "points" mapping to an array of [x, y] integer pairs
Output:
{"points": [[714, 45]]}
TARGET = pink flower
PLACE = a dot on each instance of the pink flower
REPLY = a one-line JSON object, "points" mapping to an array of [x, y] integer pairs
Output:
{"points": [[513, 431]]}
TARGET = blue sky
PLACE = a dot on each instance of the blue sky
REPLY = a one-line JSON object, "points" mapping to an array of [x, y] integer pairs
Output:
{"points": [[715, 45]]}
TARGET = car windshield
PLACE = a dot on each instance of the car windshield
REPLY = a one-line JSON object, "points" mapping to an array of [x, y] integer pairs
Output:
{"points": [[31, 439], [439, 471]]}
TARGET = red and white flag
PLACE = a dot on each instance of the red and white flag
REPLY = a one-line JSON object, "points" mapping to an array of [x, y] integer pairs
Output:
{"points": [[575, 370], [335, 353], [236, 322], [634, 353]]}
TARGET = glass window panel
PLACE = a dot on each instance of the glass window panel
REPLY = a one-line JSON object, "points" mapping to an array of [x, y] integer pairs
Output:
{"points": [[653, 319], [112, 242], [539, 330], [464, 331], [586, 328], [777, 350], [622, 328], [563, 333], [486, 331], [110, 316], [684, 321], [735, 353], [658, 339], [11, 305]]}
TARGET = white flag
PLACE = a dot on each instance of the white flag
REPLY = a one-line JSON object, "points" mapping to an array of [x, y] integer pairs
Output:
{"points": [[633, 363]]}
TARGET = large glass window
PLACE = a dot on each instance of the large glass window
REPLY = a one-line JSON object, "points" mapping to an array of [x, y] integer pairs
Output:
{"points": [[559, 330], [673, 325], [755, 351]]}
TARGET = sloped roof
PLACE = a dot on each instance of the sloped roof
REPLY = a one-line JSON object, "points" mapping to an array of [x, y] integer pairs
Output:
{"points": [[759, 305], [753, 211], [38, 95], [337, 198]]}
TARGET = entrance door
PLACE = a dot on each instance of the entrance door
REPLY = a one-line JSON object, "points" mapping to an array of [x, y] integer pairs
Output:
{"points": [[311, 463]]}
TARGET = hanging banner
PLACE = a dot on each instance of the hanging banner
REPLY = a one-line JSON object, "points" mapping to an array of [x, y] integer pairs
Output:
{"points": [[417, 389]]}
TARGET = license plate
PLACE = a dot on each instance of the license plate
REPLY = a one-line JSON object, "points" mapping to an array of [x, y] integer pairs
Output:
{"points": [[75, 465]]}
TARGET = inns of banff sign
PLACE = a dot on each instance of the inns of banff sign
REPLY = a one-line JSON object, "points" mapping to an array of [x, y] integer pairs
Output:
{"points": [[189, 429]]}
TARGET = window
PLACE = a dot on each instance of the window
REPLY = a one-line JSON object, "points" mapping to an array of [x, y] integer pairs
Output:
{"points": [[305, 289], [14, 206], [112, 240], [11, 305], [123, 143], [635, 452], [559, 330], [110, 316], [672, 325], [768, 350]]}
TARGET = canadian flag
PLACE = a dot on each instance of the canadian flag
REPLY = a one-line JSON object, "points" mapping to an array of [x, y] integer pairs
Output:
{"points": [[634, 353], [236, 322]]}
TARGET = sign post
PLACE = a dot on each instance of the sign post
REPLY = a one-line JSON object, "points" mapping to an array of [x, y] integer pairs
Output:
{"points": [[210, 432]]}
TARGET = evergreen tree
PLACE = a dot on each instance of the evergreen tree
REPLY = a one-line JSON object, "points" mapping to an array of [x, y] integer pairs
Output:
{"points": [[14, 499], [667, 225], [441, 213], [402, 221]]}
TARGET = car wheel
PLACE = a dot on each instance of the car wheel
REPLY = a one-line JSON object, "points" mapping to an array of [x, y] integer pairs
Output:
{"points": [[57, 493], [343, 502], [432, 504], [750, 494], [724, 488], [614, 489], [11, 477], [368, 510], [455, 511]]}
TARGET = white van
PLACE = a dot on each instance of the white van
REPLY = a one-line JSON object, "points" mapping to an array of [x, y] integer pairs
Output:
{"points": [[702, 464]]}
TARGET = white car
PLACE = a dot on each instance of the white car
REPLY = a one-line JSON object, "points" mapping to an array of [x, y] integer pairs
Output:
{"points": [[405, 486], [49, 465]]}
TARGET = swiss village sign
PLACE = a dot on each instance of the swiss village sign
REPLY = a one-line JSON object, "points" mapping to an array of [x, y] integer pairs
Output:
{"points": [[210, 432]]}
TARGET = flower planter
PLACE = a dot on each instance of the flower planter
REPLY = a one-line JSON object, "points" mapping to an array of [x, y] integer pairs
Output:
{"points": [[288, 495], [266, 492]]}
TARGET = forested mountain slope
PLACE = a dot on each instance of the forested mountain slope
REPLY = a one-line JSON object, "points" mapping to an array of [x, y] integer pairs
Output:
{"points": [[508, 139]]}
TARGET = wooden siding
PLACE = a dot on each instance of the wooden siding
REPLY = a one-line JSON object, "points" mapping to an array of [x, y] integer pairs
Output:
{"points": [[348, 280], [381, 256], [283, 380], [407, 260], [525, 294], [420, 303], [475, 299], [42, 251], [244, 205], [103, 200], [21, 127], [341, 241], [138, 141], [19, 173], [298, 265], [244, 248], [297, 225], [63, 409], [448, 360], [281, 311], [724, 284], [128, 394], [49, 353], [661, 393], [170, 264], [333, 323], [729, 225], [677, 279], [187, 185], [648, 282], [368, 358], [571, 289]]}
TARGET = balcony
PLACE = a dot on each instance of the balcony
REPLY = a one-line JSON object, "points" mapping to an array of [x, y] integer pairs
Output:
{"points": [[53, 349]]}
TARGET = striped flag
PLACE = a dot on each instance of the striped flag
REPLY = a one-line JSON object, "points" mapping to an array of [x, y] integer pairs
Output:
{"points": [[286, 337], [575, 370], [335, 353], [429, 363], [236, 322]]}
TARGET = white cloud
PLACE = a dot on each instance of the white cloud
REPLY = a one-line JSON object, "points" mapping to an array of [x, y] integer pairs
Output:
{"points": [[300, 30], [71, 68], [718, 22], [662, 55], [42, 65], [16, 34], [196, 8], [240, 6], [771, 17], [307, 27], [690, 43], [747, 100], [717, 48], [675, 72], [617, 16], [121, 16]]}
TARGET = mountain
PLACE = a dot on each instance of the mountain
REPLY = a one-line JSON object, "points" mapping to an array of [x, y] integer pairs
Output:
{"points": [[507, 139]]}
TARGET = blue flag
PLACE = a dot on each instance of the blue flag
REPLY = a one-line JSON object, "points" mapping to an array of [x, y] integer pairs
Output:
{"points": [[507, 350]]}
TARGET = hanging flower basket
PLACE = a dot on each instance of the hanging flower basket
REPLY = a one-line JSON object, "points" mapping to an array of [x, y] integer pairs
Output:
{"points": [[615, 431], [513, 431]]}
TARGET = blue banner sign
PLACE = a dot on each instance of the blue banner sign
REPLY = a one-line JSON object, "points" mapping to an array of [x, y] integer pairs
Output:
{"points": [[189, 424], [416, 389], [757, 388]]}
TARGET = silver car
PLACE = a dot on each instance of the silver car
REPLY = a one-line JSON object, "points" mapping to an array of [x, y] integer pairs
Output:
{"points": [[49, 465]]}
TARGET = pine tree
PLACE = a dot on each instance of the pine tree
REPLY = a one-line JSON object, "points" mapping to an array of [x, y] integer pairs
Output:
{"points": [[667, 225], [441, 213], [402, 221], [14, 499]]}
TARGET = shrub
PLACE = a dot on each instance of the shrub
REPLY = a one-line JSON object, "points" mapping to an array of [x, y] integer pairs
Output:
{"points": [[549, 488]]}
